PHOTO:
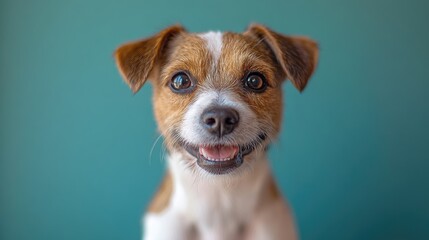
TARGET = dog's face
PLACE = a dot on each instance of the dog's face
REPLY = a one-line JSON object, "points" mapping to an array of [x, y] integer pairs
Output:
{"points": [[217, 96]]}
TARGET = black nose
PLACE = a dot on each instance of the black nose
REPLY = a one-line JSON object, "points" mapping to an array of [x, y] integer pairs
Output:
{"points": [[219, 121]]}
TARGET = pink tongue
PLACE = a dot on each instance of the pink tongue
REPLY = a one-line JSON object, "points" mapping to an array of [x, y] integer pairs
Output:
{"points": [[219, 152]]}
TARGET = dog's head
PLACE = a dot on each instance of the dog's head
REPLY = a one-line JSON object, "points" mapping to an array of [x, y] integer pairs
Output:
{"points": [[217, 96]]}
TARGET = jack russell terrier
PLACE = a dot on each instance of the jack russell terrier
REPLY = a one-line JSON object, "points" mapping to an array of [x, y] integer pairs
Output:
{"points": [[217, 100]]}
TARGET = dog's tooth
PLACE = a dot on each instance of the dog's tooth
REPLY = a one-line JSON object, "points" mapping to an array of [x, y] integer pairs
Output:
{"points": [[203, 152]]}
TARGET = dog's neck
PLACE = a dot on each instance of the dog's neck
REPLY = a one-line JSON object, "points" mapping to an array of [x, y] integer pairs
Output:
{"points": [[218, 207], [202, 195]]}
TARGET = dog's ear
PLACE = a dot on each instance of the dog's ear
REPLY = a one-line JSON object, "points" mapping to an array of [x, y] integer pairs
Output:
{"points": [[136, 60], [297, 56]]}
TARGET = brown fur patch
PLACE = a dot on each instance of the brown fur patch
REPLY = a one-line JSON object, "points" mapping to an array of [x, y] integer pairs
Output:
{"points": [[296, 56], [273, 190], [163, 196], [136, 60]]}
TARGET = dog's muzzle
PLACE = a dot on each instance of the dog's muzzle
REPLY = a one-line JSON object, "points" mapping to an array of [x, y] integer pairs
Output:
{"points": [[216, 156]]}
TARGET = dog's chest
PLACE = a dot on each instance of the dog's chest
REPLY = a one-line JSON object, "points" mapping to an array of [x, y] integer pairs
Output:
{"points": [[221, 213], [222, 209]]}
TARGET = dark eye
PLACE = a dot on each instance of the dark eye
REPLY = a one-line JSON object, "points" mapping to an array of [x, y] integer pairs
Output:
{"points": [[181, 83], [255, 82]]}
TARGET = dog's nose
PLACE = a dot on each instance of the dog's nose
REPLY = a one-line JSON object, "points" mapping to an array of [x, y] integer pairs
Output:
{"points": [[219, 121]]}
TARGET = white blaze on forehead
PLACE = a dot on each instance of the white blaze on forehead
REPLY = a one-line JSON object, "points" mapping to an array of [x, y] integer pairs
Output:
{"points": [[214, 44]]}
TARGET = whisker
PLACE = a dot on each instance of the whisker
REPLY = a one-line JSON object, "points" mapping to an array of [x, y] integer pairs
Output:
{"points": [[153, 147]]}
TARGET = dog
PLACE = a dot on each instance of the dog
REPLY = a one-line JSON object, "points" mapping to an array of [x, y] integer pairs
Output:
{"points": [[217, 101]]}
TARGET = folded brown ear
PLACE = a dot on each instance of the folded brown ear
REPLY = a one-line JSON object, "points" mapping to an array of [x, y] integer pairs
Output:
{"points": [[136, 60], [297, 56]]}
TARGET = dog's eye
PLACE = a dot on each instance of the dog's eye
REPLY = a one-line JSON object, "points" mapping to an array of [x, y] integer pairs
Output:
{"points": [[255, 82], [181, 83]]}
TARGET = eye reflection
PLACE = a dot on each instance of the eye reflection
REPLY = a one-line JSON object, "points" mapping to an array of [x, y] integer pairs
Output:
{"points": [[255, 82], [181, 83]]}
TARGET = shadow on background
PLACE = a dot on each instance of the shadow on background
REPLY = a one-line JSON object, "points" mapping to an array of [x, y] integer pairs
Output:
{"points": [[74, 142]]}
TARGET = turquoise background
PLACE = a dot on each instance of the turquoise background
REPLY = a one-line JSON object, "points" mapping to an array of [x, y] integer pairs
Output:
{"points": [[75, 142]]}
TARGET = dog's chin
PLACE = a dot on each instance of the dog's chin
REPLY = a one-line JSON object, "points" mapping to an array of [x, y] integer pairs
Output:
{"points": [[220, 158]]}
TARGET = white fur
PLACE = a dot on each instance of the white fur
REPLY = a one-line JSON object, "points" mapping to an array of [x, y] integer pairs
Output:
{"points": [[214, 44]]}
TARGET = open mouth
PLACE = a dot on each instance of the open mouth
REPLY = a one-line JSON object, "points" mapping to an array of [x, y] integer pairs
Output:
{"points": [[221, 159]]}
